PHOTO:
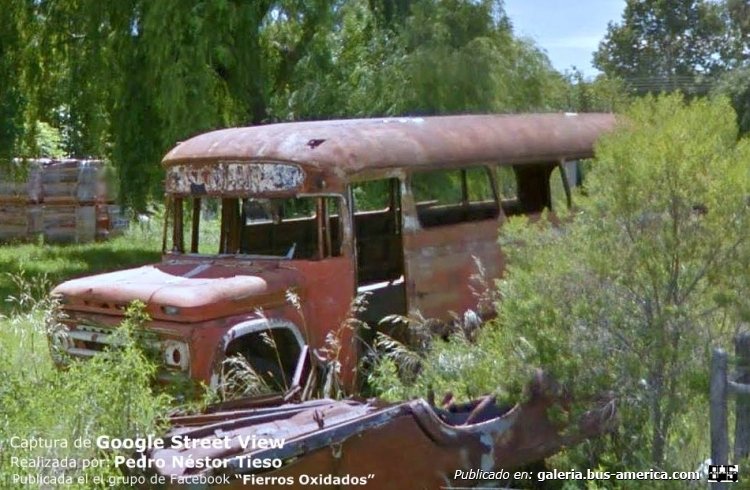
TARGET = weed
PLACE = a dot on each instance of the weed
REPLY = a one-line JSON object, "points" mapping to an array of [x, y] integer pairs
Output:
{"points": [[434, 356], [111, 394], [240, 379]]}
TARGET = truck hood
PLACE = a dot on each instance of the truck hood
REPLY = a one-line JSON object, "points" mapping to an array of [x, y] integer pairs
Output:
{"points": [[187, 291]]}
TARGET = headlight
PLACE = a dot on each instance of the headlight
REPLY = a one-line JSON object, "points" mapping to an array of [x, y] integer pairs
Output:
{"points": [[176, 354], [60, 345], [171, 310]]}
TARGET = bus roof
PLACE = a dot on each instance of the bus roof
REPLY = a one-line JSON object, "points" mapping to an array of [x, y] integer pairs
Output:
{"points": [[345, 148]]}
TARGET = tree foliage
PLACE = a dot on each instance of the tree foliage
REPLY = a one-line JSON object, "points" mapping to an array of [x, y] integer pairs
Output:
{"points": [[691, 46], [128, 79], [444, 57], [738, 17], [736, 85], [663, 39], [12, 103], [602, 94]]}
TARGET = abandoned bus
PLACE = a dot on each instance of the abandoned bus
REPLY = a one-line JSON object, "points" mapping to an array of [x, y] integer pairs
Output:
{"points": [[272, 231]]}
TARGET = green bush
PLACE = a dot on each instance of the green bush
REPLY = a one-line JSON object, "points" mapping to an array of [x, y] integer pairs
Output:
{"points": [[628, 298]]}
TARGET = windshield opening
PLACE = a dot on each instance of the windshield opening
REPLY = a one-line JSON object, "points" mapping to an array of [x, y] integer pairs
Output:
{"points": [[284, 228]]}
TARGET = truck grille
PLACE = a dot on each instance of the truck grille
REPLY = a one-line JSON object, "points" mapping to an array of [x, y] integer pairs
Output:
{"points": [[84, 341]]}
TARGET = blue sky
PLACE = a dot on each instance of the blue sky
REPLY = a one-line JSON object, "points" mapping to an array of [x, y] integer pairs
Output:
{"points": [[568, 30]]}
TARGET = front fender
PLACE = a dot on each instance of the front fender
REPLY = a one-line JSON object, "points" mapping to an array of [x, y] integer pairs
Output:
{"points": [[243, 329]]}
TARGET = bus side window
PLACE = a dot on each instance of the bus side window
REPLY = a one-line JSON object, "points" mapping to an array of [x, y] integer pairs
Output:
{"points": [[507, 187], [563, 179], [294, 228], [447, 197], [532, 188], [373, 195]]}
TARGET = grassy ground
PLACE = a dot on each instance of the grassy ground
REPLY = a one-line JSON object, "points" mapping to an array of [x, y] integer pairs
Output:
{"points": [[41, 263]]}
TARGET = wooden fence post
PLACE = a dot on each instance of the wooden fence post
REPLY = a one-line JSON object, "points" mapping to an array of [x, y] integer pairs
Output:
{"points": [[742, 402], [718, 411]]}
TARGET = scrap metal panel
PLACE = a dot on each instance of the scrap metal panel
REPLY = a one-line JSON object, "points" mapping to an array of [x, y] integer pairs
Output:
{"points": [[440, 263]]}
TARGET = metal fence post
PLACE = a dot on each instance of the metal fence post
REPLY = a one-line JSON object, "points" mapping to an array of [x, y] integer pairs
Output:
{"points": [[718, 411], [742, 402]]}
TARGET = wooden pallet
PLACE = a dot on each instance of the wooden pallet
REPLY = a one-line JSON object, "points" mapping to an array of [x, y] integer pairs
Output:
{"points": [[66, 201]]}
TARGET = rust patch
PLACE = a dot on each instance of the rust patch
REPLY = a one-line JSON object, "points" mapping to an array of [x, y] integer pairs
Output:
{"points": [[234, 176]]}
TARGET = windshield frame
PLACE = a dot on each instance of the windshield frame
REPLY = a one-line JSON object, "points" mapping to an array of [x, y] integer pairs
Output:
{"points": [[173, 239]]}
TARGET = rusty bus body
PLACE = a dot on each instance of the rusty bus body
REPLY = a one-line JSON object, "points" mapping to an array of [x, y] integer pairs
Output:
{"points": [[413, 251]]}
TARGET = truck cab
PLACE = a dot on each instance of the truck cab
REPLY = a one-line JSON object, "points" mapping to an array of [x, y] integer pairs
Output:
{"points": [[278, 276]]}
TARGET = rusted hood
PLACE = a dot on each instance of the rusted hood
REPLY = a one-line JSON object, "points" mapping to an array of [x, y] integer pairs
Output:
{"points": [[182, 291]]}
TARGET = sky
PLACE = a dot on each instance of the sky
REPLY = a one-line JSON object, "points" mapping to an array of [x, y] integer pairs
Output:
{"points": [[568, 30]]}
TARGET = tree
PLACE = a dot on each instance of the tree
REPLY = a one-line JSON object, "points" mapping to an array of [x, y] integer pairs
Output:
{"points": [[735, 84], [602, 94], [439, 57], [693, 46], [664, 44], [738, 18], [118, 81], [11, 95]]}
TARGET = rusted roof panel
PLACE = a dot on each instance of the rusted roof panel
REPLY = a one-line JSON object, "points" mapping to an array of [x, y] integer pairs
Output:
{"points": [[347, 147]]}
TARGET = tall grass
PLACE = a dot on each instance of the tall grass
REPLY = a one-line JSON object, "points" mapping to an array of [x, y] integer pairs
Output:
{"points": [[109, 395]]}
